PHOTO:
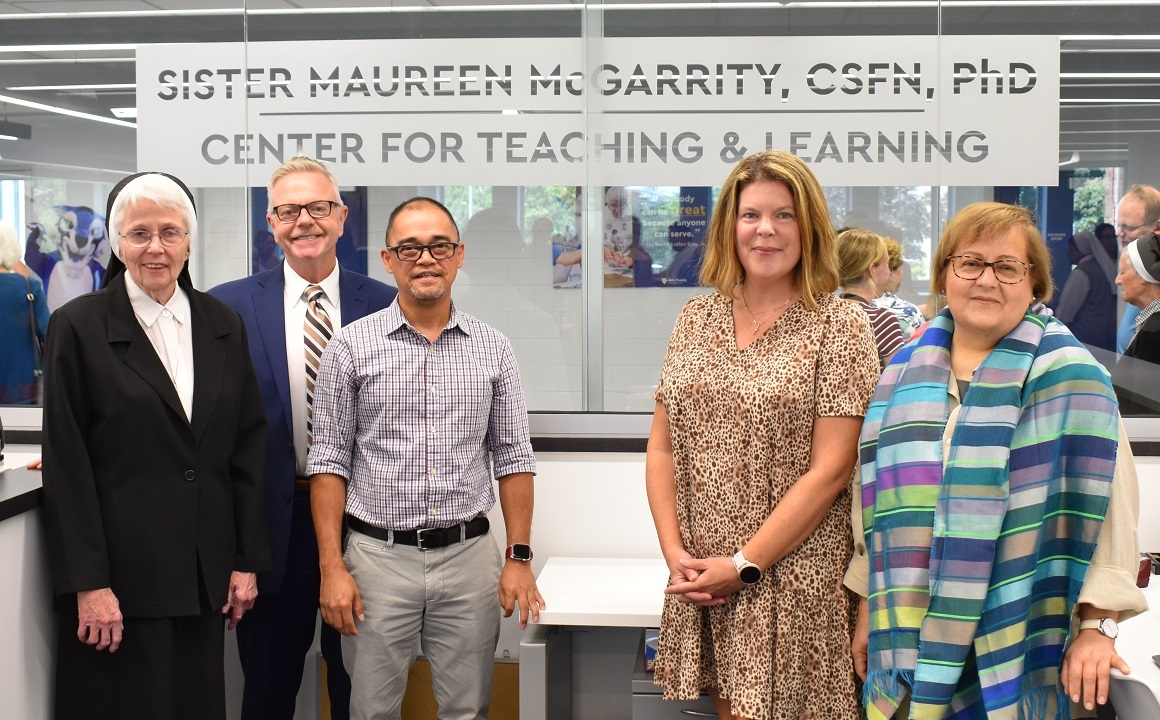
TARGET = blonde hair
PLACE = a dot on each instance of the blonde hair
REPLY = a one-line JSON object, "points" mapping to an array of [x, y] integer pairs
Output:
{"points": [[990, 219], [894, 250], [9, 245], [858, 249], [817, 272], [298, 164], [1149, 197]]}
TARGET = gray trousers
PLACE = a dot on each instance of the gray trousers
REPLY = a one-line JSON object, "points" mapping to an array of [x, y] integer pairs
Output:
{"points": [[444, 601]]}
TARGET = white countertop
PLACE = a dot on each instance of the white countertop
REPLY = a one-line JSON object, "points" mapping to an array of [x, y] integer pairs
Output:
{"points": [[607, 592], [14, 460]]}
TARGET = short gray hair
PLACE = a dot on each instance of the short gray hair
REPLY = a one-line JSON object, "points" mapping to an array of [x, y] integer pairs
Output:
{"points": [[298, 164], [155, 188]]}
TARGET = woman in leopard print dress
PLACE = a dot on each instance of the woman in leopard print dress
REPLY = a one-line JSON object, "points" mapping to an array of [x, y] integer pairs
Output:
{"points": [[752, 448]]}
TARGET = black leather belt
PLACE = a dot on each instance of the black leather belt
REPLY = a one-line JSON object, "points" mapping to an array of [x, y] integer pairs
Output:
{"points": [[424, 538], [302, 484]]}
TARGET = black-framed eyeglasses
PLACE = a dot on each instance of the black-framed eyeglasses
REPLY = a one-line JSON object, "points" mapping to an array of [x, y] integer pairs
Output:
{"points": [[142, 238], [1008, 272], [412, 253], [317, 209], [1125, 229]]}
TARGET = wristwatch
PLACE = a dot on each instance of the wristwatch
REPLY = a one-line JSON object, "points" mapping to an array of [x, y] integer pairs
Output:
{"points": [[1107, 626], [518, 551], [747, 571]]}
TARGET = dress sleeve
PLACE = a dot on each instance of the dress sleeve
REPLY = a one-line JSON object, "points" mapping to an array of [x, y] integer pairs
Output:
{"points": [[847, 367], [1110, 583]]}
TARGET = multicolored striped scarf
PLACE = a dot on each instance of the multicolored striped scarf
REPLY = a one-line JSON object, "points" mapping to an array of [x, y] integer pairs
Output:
{"points": [[975, 569]]}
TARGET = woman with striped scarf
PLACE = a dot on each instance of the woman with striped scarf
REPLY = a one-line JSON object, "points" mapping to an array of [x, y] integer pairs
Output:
{"points": [[996, 542]]}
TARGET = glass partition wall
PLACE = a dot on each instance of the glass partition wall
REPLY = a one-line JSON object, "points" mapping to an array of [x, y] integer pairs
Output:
{"points": [[580, 146]]}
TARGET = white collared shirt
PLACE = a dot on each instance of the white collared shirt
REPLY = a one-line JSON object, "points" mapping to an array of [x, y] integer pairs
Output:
{"points": [[294, 311], [169, 330]]}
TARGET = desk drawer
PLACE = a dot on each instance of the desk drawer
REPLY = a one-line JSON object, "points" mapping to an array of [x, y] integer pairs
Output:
{"points": [[652, 707]]}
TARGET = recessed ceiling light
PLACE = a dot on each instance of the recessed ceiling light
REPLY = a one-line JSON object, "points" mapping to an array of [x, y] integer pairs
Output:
{"points": [[125, 112]]}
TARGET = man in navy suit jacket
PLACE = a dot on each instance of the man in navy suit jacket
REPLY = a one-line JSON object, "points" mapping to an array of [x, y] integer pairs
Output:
{"points": [[307, 216]]}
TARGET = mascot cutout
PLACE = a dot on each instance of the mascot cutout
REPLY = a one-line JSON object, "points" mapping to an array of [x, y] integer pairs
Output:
{"points": [[71, 262]]}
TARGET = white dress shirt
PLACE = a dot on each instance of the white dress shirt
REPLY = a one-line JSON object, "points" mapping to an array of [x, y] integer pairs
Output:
{"points": [[294, 310], [168, 328]]}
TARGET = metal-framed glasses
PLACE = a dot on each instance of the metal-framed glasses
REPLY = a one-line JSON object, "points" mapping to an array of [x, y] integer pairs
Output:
{"points": [[412, 253], [1008, 272], [1125, 229], [317, 209], [142, 238]]}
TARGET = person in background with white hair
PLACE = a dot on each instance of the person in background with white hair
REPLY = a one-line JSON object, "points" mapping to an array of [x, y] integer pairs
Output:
{"points": [[154, 437], [1135, 374], [1087, 304], [617, 239], [1137, 216], [23, 323]]}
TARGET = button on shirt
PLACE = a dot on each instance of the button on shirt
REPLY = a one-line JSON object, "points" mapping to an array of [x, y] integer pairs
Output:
{"points": [[416, 427]]}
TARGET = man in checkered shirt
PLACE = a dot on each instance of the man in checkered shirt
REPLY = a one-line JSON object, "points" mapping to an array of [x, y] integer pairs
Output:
{"points": [[417, 407]]}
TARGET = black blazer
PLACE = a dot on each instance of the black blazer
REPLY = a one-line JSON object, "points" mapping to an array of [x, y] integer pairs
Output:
{"points": [[258, 299], [136, 497]]}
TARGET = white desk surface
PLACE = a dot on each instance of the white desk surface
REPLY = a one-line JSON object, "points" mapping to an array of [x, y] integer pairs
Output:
{"points": [[13, 460], [1139, 640], [608, 592]]}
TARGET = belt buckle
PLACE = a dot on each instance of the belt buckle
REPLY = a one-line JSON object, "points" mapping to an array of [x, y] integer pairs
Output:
{"points": [[422, 533]]}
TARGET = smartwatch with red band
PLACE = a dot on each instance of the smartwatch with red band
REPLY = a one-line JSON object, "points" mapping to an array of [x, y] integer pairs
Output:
{"points": [[518, 551]]}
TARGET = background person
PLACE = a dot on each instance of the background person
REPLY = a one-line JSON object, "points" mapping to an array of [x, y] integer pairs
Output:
{"points": [[908, 314], [864, 270], [618, 239], [1135, 372], [1138, 214], [417, 408], [23, 324], [153, 438], [752, 447], [978, 433], [307, 214], [1087, 304]]}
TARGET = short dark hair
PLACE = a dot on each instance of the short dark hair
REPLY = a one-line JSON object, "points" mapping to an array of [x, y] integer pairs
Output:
{"points": [[415, 201]]}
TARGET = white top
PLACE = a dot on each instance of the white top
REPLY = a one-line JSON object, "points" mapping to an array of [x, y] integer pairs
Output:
{"points": [[168, 328], [608, 592], [294, 312]]}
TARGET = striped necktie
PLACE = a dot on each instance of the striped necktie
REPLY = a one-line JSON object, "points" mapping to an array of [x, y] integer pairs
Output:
{"points": [[317, 331]]}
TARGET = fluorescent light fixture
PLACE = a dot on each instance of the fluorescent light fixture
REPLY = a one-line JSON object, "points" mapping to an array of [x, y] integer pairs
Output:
{"points": [[509, 111], [1109, 101], [125, 112], [1071, 160], [15, 131], [65, 111], [1094, 76], [63, 48], [108, 86]]}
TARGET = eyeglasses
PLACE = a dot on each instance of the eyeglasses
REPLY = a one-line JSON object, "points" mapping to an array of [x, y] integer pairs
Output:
{"points": [[1008, 272], [317, 209], [412, 253], [1125, 229], [141, 238]]}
